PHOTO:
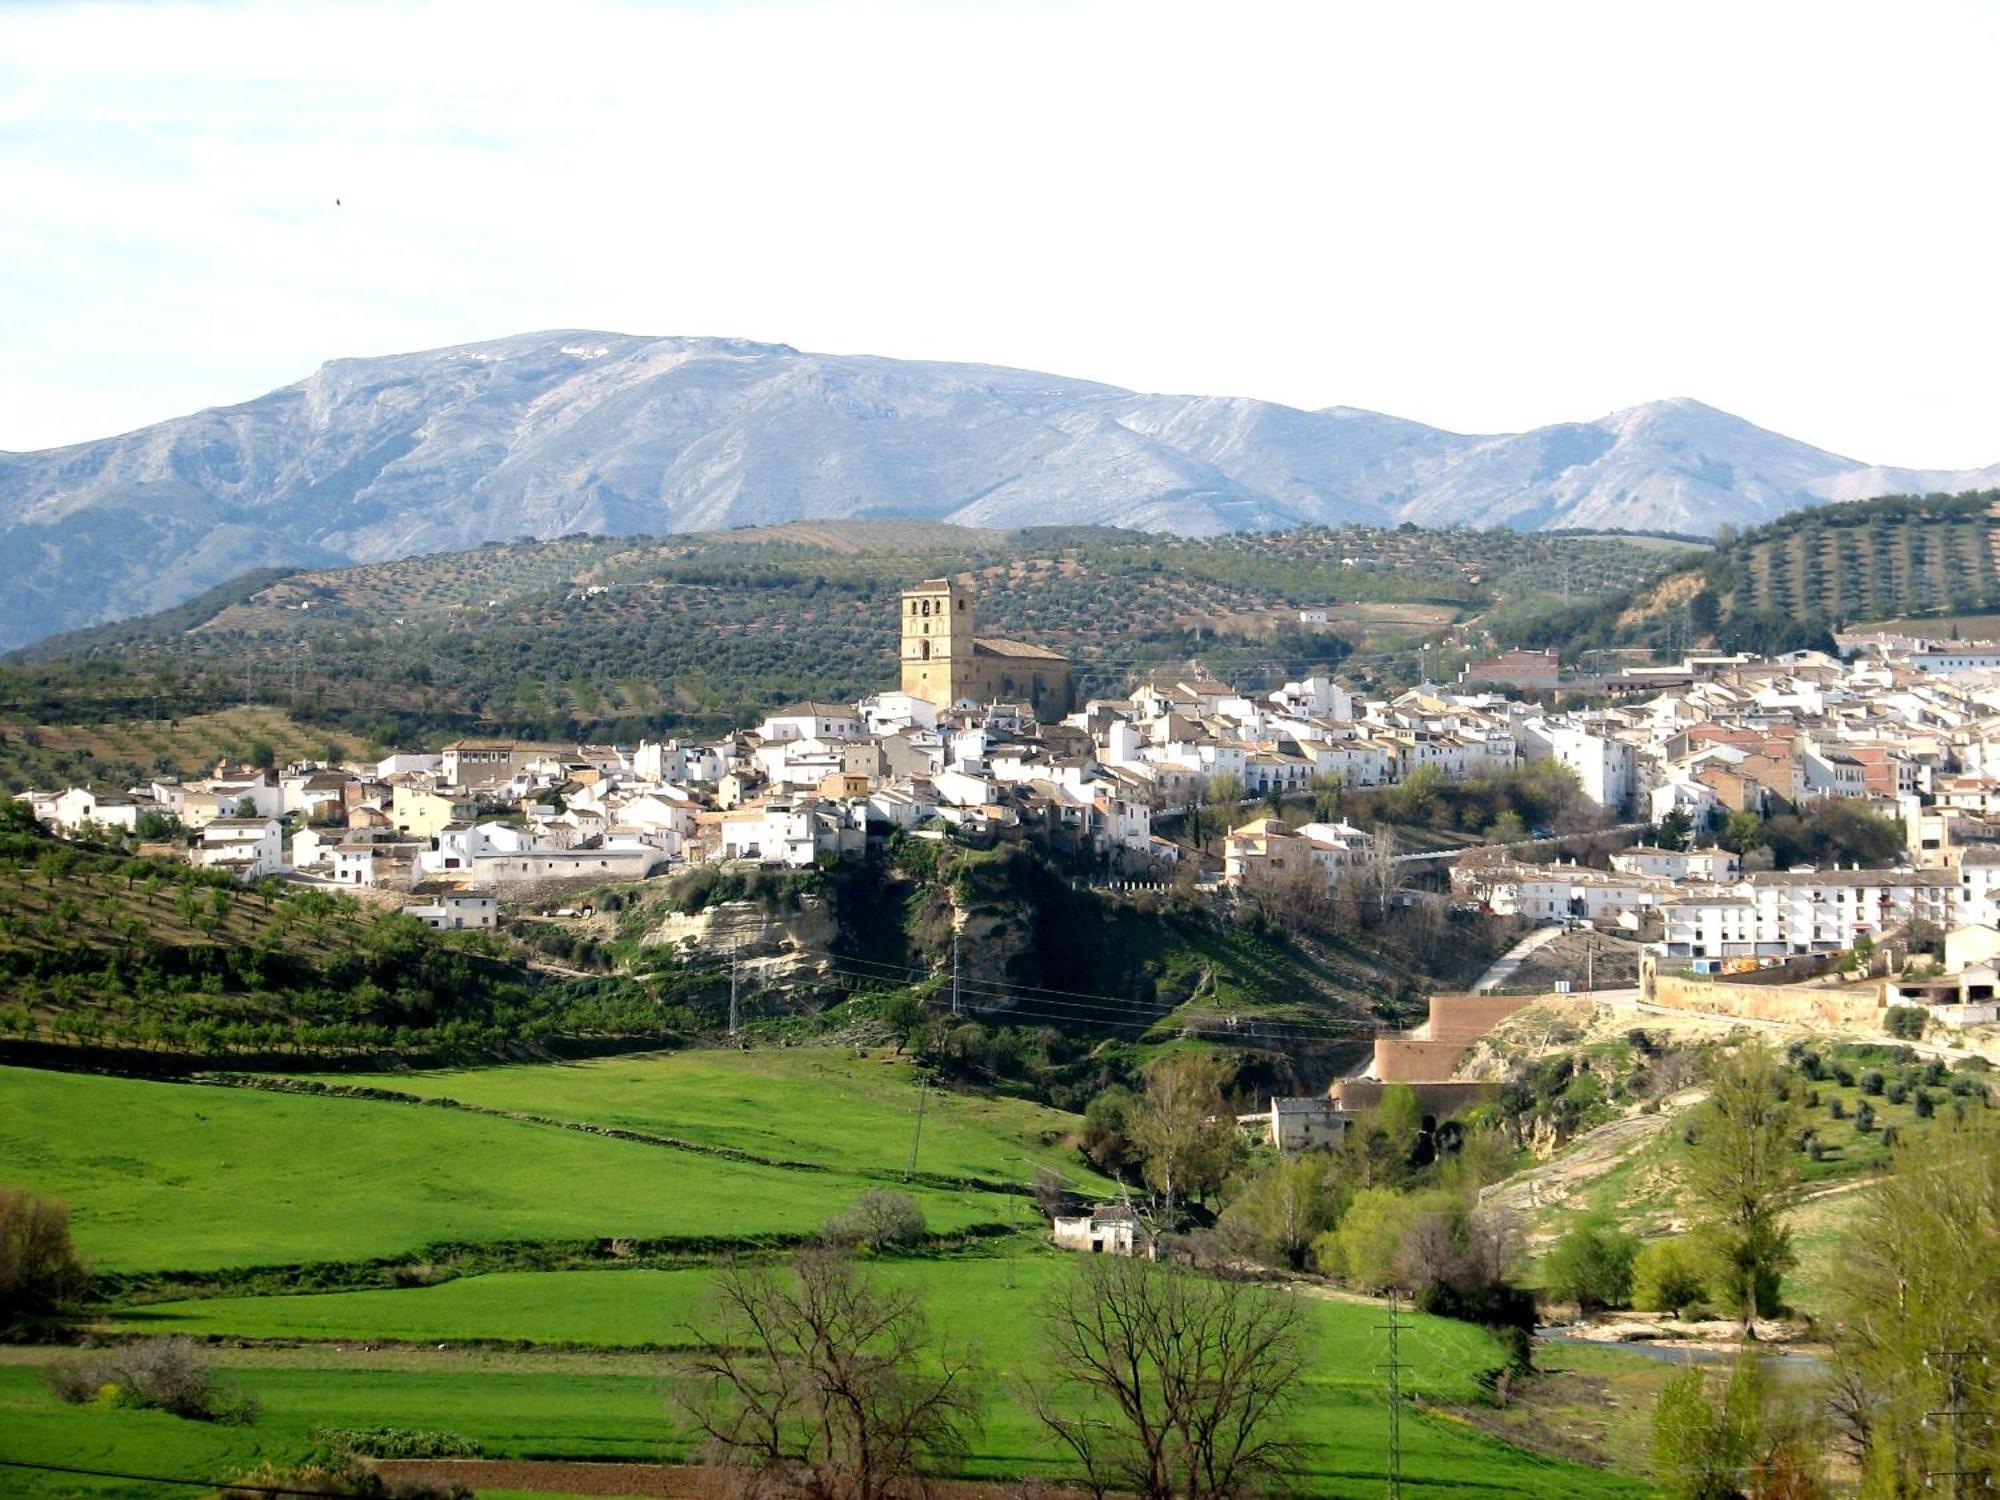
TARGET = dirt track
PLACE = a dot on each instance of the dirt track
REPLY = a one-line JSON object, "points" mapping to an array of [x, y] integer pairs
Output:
{"points": [[652, 1481]]}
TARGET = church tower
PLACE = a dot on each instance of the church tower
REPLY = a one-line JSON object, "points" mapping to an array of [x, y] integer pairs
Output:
{"points": [[937, 641]]}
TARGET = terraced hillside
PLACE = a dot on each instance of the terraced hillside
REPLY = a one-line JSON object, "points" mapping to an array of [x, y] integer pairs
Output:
{"points": [[1787, 584], [612, 637], [119, 751]]}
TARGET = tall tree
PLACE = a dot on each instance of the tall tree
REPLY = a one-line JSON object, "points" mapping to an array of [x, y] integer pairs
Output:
{"points": [[1182, 1128], [821, 1381], [1167, 1384], [1742, 1174], [1919, 1314]]}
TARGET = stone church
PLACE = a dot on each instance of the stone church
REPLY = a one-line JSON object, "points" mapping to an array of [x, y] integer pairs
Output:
{"points": [[946, 664]]}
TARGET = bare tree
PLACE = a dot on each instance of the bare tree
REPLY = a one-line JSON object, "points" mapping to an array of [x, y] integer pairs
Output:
{"points": [[1165, 1383], [819, 1381]]}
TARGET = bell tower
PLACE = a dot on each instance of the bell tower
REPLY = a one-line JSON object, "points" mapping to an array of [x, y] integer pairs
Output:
{"points": [[937, 641]]}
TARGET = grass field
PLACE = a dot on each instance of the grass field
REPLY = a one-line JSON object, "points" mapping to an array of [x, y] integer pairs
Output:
{"points": [[180, 1177], [610, 1405], [816, 1104], [995, 1294], [567, 1363]]}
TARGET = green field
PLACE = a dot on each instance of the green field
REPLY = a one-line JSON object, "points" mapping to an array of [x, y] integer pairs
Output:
{"points": [[609, 1405], [573, 1363], [813, 1104], [180, 1177]]}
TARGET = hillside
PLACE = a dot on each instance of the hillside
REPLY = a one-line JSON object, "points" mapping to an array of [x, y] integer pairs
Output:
{"points": [[152, 957], [610, 638], [550, 434], [1787, 584]]}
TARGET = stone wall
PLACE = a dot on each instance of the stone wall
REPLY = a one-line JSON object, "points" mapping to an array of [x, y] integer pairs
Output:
{"points": [[1467, 1018], [1796, 1004], [1403, 1060]]}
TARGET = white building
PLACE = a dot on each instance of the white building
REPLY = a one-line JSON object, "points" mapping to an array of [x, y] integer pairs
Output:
{"points": [[246, 847], [457, 911]]}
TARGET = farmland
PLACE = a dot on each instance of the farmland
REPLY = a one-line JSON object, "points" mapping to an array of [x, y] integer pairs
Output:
{"points": [[813, 1104], [601, 638], [176, 1177], [120, 751], [574, 1262], [587, 1399]]}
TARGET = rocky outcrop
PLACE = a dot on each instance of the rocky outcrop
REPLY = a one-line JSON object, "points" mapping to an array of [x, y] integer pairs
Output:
{"points": [[789, 942]]}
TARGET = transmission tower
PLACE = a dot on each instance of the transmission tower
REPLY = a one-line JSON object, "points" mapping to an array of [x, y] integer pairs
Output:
{"points": [[917, 1135], [732, 987], [1395, 1367], [1954, 1411]]}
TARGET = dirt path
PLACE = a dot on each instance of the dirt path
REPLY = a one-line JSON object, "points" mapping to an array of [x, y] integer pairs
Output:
{"points": [[1503, 967], [665, 1481], [1588, 1158]]}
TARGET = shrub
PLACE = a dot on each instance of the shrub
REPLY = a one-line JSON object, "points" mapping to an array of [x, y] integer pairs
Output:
{"points": [[337, 1476], [1592, 1267], [880, 1219], [1897, 1091], [1905, 1021], [39, 1269], [1864, 1117], [397, 1442], [1924, 1105], [1667, 1276], [1871, 1082], [1367, 1248], [171, 1375]]}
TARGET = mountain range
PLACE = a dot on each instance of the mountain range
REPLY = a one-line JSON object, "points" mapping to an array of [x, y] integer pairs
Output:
{"points": [[546, 434]]}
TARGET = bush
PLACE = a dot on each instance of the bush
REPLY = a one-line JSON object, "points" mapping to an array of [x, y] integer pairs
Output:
{"points": [[1367, 1248], [171, 1375], [1872, 1082], [1592, 1267], [1897, 1091], [1667, 1276], [1864, 1117], [879, 1219], [337, 1476], [1905, 1021], [39, 1270], [1924, 1105], [397, 1442]]}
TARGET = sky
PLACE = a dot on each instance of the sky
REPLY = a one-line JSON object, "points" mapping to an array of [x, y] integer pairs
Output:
{"points": [[1485, 216]]}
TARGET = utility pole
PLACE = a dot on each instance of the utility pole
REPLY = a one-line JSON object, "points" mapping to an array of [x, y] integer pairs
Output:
{"points": [[954, 973], [917, 1135], [732, 987], [1589, 961], [1955, 1411], [1395, 1368]]}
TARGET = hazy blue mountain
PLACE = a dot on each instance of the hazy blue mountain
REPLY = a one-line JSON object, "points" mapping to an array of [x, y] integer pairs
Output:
{"points": [[548, 433]]}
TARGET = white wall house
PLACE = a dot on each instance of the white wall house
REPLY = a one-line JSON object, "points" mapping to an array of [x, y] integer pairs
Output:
{"points": [[246, 847]]}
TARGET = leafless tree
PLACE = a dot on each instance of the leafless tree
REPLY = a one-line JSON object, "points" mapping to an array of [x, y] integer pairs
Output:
{"points": [[1168, 1384], [818, 1381]]}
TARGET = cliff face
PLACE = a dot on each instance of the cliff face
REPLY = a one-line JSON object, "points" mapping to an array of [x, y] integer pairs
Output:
{"points": [[791, 943]]}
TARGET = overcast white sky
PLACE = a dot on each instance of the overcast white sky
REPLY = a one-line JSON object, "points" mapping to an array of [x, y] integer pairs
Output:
{"points": [[1487, 216]]}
